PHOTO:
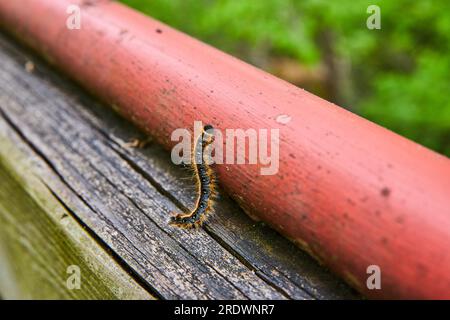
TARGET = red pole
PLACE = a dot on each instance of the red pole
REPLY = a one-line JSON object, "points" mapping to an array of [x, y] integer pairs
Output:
{"points": [[351, 193]]}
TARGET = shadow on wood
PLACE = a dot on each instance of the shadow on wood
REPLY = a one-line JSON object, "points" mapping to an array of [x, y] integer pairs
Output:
{"points": [[121, 199]]}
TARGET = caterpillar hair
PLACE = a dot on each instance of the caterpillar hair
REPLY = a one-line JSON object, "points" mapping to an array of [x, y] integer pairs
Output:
{"points": [[206, 184]]}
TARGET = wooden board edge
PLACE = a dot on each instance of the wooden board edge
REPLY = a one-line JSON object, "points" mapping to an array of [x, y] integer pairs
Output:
{"points": [[101, 276]]}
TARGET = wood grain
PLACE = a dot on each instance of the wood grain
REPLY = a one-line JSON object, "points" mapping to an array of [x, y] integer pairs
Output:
{"points": [[351, 193], [40, 240], [123, 197]]}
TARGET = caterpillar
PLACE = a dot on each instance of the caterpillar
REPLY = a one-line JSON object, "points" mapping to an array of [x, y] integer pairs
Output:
{"points": [[206, 184]]}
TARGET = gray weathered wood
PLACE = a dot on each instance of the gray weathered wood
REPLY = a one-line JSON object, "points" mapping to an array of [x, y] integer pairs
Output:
{"points": [[40, 241], [124, 196]]}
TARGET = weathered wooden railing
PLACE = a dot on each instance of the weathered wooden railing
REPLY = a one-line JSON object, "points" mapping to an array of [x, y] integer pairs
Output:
{"points": [[349, 192], [78, 201]]}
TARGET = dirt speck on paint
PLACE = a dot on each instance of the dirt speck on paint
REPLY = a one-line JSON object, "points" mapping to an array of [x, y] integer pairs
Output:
{"points": [[385, 192]]}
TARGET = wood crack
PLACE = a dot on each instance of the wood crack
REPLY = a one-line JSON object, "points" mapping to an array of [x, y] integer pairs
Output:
{"points": [[125, 198]]}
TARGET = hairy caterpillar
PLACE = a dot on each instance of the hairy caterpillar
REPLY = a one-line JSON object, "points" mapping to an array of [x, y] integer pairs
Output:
{"points": [[205, 184]]}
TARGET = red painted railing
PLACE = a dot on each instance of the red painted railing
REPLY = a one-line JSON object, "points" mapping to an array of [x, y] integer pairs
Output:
{"points": [[351, 193]]}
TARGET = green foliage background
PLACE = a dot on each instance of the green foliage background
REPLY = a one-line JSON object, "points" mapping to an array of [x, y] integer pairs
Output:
{"points": [[397, 76]]}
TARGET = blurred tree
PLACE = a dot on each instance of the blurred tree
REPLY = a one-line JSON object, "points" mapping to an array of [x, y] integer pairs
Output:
{"points": [[397, 76]]}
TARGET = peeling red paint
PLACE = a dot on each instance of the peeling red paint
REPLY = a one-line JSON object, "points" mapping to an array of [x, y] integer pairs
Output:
{"points": [[329, 158]]}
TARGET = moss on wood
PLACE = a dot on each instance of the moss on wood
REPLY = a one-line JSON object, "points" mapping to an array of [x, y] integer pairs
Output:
{"points": [[39, 240]]}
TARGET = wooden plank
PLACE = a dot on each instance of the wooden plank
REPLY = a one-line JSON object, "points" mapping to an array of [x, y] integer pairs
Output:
{"points": [[40, 240], [352, 193], [124, 196]]}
